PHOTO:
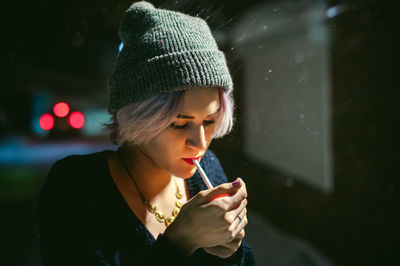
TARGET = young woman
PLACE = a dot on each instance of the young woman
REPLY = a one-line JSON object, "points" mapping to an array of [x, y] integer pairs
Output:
{"points": [[145, 204]]}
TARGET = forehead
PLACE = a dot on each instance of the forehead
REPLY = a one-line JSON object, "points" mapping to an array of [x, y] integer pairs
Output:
{"points": [[201, 100]]}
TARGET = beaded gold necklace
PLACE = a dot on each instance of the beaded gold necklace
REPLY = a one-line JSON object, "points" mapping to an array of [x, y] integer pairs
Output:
{"points": [[160, 216]]}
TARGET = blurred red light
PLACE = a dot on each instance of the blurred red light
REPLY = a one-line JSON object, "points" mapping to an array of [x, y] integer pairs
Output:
{"points": [[61, 109], [76, 120], [46, 121]]}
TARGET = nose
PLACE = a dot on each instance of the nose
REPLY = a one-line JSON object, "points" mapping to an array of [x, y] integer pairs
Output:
{"points": [[197, 138]]}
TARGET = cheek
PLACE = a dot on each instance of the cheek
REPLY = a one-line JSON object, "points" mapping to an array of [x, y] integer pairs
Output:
{"points": [[209, 133], [169, 157], [163, 147], [166, 148]]}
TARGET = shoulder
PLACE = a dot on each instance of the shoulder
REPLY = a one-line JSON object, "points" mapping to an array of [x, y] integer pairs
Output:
{"points": [[71, 187], [80, 160], [80, 164], [74, 173]]}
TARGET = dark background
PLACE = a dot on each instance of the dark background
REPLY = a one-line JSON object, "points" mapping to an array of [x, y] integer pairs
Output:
{"points": [[69, 46]]}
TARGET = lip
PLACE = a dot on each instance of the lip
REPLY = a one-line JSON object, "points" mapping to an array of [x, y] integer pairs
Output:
{"points": [[189, 160]]}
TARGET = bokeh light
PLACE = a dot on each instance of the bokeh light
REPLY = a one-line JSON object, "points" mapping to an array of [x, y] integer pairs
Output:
{"points": [[46, 121], [61, 109], [76, 120]]}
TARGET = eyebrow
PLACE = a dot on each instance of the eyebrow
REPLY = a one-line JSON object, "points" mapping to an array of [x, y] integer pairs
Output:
{"points": [[192, 117]]}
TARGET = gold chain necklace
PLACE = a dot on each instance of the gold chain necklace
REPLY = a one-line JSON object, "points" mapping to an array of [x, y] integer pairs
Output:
{"points": [[160, 216]]}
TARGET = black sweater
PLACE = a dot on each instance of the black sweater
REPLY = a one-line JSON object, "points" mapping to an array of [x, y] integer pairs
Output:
{"points": [[84, 220]]}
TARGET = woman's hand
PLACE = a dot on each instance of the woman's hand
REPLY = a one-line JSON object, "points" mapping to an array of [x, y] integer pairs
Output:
{"points": [[227, 249], [203, 223]]}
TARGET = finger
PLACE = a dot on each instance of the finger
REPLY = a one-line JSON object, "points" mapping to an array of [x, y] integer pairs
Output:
{"points": [[241, 234], [243, 186], [239, 196], [231, 202], [231, 216], [231, 221], [208, 195], [240, 222]]}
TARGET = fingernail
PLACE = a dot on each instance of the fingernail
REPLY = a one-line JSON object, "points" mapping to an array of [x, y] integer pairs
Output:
{"points": [[236, 182]]}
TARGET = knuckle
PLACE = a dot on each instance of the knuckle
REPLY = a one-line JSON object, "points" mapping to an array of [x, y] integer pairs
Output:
{"points": [[228, 219], [224, 200], [241, 234], [244, 193], [245, 202], [225, 186], [231, 235], [202, 193], [243, 185], [217, 204], [223, 206], [236, 242]]}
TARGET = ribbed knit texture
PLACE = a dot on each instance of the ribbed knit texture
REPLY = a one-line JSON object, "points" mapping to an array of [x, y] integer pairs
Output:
{"points": [[164, 51]]}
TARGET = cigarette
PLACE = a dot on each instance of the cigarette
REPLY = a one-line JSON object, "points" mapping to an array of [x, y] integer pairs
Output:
{"points": [[203, 175]]}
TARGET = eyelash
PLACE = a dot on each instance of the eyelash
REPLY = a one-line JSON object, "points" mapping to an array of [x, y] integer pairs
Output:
{"points": [[206, 122]]}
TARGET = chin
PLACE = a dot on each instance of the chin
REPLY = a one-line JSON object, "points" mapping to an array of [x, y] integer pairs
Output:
{"points": [[185, 174]]}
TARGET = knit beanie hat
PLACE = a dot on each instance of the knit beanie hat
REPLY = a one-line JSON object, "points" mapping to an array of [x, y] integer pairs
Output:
{"points": [[164, 51]]}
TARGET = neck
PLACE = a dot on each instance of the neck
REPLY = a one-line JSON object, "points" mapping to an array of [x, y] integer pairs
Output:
{"points": [[151, 180]]}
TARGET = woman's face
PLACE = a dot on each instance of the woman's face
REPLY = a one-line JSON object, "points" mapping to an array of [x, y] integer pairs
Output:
{"points": [[188, 136]]}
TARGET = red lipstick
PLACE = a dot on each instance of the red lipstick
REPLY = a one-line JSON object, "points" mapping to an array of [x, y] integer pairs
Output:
{"points": [[189, 160]]}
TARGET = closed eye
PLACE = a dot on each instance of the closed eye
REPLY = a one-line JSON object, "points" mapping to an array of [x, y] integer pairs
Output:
{"points": [[206, 123]]}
